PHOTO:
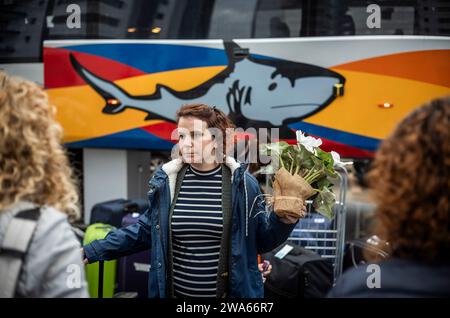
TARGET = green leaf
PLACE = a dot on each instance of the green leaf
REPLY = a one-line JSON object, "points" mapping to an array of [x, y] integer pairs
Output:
{"points": [[326, 158], [305, 158], [324, 202], [323, 182], [316, 168], [276, 149]]}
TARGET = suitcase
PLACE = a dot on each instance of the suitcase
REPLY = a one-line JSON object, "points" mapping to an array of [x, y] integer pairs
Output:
{"points": [[134, 269], [298, 274], [96, 232], [112, 212]]}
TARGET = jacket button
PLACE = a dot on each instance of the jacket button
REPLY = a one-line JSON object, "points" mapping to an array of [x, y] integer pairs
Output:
{"points": [[159, 265], [157, 226]]}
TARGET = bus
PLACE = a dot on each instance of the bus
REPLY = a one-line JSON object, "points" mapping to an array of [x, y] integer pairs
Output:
{"points": [[343, 70]]}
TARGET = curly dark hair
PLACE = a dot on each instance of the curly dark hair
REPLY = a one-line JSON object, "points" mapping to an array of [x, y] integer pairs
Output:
{"points": [[410, 182]]}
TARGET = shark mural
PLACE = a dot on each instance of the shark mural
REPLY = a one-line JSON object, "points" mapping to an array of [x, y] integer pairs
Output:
{"points": [[252, 91], [124, 93]]}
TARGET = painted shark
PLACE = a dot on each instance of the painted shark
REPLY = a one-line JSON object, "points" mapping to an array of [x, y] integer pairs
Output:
{"points": [[252, 91]]}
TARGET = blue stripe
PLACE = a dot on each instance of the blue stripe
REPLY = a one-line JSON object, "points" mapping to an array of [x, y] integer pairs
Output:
{"points": [[130, 139], [354, 140], [152, 58]]}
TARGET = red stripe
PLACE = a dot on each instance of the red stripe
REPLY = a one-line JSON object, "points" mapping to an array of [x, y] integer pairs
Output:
{"points": [[343, 150], [58, 71], [162, 130]]}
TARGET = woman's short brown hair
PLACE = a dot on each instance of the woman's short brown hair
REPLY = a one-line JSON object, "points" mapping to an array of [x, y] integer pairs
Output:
{"points": [[410, 182], [214, 117]]}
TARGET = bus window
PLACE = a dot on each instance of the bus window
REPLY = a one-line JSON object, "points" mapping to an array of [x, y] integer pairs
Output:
{"points": [[232, 19], [21, 24], [24, 25], [275, 19], [255, 19], [164, 19], [397, 20], [397, 17], [98, 20]]}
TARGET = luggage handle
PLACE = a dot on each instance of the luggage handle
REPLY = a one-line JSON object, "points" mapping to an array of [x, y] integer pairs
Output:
{"points": [[101, 268]]}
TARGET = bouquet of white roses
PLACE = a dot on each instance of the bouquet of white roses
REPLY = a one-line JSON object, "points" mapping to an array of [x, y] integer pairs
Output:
{"points": [[302, 171]]}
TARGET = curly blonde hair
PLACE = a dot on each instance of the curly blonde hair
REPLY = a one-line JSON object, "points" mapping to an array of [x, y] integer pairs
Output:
{"points": [[410, 181], [33, 164]]}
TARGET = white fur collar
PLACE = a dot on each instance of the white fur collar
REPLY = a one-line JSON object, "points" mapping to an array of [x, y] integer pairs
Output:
{"points": [[174, 166]]}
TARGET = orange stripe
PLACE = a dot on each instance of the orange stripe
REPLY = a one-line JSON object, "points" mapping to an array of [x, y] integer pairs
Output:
{"points": [[425, 66]]}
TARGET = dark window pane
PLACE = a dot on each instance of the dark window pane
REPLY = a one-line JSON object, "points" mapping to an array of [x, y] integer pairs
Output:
{"points": [[25, 24], [398, 17], [21, 25], [275, 19]]}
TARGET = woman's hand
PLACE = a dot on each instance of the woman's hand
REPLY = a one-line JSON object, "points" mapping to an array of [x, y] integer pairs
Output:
{"points": [[85, 260], [288, 219], [265, 269]]}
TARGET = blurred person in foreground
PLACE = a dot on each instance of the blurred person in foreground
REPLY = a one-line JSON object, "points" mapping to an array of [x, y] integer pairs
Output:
{"points": [[39, 253], [410, 183]]}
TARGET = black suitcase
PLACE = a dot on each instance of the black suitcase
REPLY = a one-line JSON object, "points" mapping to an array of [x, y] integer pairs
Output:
{"points": [[112, 212], [133, 270], [300, 274]]}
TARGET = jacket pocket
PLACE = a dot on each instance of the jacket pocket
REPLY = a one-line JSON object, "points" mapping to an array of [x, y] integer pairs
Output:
{"points": [[151, 192], [152, 196], [256, 284]]}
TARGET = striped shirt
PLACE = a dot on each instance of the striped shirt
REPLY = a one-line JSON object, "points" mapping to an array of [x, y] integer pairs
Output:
{"points": [[196, 233]]}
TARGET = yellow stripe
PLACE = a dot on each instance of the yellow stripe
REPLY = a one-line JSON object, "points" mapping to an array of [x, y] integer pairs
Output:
{"points": [[358, 112], [80, 108]]}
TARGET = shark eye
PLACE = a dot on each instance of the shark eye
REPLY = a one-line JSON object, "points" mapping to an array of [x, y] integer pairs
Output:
{"points": [[113, 101], [272, 86]]}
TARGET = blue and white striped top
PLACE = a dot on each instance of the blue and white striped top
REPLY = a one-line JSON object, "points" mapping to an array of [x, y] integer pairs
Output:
{"points": [[197, 228]]}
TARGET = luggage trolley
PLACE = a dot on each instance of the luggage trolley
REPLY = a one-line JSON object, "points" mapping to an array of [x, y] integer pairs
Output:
{"points": [[321, 235]]}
